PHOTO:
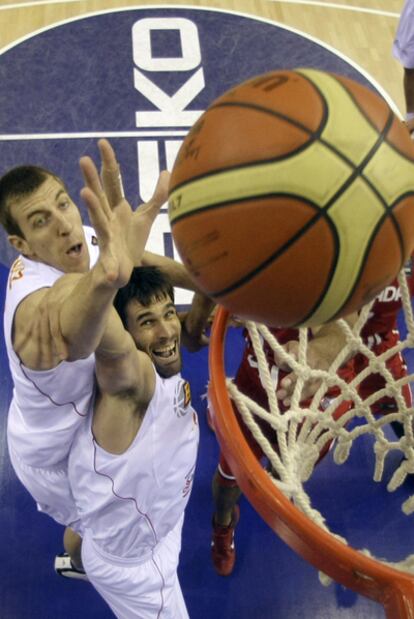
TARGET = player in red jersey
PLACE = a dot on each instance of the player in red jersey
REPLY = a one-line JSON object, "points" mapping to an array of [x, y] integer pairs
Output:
{"points": [[323, 346], [380, 333]]}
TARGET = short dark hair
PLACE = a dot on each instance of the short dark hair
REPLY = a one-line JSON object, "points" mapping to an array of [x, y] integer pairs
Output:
{"points": [[146, 284], [18, 183]]}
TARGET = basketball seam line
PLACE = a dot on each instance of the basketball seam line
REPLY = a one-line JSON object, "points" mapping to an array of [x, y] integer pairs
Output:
{"points": [[264, 264], [315, 136], [322, 213], [357, 171]]}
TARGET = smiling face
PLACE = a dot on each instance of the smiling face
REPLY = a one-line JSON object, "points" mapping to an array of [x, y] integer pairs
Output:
{"points": [[51, 228], [156, 330]]}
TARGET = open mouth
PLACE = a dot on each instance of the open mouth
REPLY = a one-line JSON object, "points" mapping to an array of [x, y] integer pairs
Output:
{"points": [[165, 352], [75, 250]]}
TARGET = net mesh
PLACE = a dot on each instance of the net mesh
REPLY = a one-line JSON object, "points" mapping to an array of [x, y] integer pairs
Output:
{"points": [[303, 432]]}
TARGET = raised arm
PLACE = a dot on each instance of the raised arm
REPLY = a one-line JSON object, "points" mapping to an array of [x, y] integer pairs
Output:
{"points": [[75, 310], [120, 366], [76, 306], [195, 322], [327, 342]]}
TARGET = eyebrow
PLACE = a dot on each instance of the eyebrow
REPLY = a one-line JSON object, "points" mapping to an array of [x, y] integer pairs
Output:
{"points": [[41, 210], [147, 314]]}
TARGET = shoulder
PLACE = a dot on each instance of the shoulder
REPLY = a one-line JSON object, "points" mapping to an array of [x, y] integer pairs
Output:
{"points": [[26, 309]]}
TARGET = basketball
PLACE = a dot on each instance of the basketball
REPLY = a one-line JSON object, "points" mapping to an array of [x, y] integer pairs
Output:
{"points": [[291, 199]]}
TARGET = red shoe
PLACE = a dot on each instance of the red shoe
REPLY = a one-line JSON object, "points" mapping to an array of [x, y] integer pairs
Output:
{"points": [[223, 553]]}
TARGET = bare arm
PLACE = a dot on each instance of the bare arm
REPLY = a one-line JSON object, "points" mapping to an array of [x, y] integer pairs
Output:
{"points": [[75, 311], [65, 321], [112, 183], [120, 366], [76, 306], [195, 321], [328, 341], [176, 271]]}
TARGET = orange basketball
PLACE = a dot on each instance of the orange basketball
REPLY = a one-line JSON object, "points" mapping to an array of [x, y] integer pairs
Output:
{"points": [[292, 198]]}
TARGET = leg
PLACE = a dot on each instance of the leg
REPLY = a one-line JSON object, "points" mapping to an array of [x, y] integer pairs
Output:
{"points": [[396, 425], [226, 494], [143, 590], [72, 543], [409, 97]]}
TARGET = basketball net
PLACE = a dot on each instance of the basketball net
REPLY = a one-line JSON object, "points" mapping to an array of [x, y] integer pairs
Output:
{"points": [[302, 434]]}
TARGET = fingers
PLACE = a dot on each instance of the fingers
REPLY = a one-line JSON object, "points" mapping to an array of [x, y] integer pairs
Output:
{"points": [[292, 349], [110, 174], [143, 218], [99, 212], [160, 195], [161, 189], [285, 389], [90, 175], [108, 157], [287, 385], [93, 182]]}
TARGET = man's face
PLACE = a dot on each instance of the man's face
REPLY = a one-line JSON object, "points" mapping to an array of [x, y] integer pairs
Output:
{"points": [[156, 330], [52, 229]]}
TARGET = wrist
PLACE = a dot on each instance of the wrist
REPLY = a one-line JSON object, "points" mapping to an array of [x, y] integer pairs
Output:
{"points": [[101, 280]]}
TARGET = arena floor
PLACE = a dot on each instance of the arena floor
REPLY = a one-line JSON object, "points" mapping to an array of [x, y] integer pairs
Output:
{"points": [[70, 73]]}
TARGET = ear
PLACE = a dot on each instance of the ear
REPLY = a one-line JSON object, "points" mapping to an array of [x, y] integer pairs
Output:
{"points": [[20, 244]]}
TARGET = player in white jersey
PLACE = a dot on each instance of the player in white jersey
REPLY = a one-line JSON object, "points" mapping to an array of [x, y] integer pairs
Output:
{"points": [[52, 288], [403, 49], [131, 468]]}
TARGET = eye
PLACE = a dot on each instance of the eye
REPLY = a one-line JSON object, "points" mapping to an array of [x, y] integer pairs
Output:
{"points": [[64, 202], [39, 221], [146, 323], [171, 313]]}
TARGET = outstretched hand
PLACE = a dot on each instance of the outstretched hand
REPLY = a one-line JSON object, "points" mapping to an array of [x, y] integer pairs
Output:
{"points": [[122, 233], [287, 385], [142, 219], [113, 256], [137, 223]]}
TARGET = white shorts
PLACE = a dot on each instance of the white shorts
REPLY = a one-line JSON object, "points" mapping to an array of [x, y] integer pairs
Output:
{"points": [[49, 486], [403, 48], [144, 590]]}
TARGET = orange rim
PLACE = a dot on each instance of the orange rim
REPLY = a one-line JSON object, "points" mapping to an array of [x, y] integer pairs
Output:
{"points": [[391, 588]]}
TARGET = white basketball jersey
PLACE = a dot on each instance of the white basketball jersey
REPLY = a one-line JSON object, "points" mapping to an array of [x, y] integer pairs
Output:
{"points": [[129, 502], [403, 47], [47, 406]]}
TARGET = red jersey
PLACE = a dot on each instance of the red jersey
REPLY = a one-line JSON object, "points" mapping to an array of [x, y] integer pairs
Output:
{"points": [[384, 311], [380, 333]]}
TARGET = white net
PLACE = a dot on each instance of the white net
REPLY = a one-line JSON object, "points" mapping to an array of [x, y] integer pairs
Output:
{"points": [[304, 432]]}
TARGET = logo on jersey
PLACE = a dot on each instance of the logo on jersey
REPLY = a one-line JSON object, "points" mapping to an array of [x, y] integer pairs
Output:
{"points": [[16, 271], [390, 293], [188, 481], [182, 398]]}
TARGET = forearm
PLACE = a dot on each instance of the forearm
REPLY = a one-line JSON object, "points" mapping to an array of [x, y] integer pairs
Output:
{"points": [[84, 313], [330, 339], [175, 271], [115, 341], [409, 89], [120, 367], [199, 313]]}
